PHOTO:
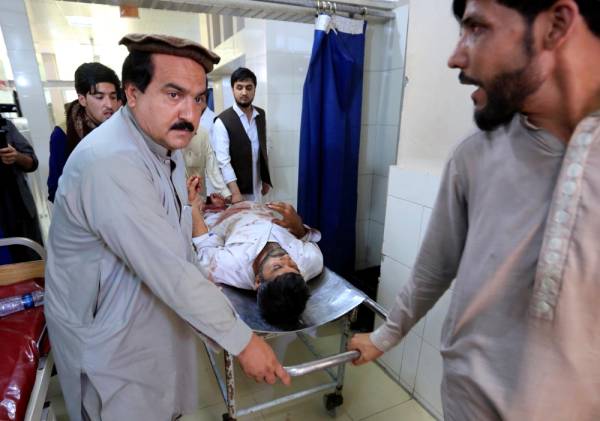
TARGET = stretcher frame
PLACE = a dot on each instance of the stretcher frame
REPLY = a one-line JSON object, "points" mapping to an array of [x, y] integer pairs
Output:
{"points": [[331, 400], [38, 409]]}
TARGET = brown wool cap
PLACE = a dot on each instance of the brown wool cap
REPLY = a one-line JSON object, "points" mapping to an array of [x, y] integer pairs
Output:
{"points": [[166, 44]]}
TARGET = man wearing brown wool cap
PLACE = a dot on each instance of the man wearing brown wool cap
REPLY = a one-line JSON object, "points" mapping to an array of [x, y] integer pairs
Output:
{"points": [[125, 302]]}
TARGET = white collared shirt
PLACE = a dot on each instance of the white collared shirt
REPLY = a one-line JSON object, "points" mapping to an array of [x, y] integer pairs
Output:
{"points": [[236, 236], [220, 143]]}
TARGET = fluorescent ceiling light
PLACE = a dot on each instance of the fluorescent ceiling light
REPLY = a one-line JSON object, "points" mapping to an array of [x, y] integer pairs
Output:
{"points": [[80, 21]]}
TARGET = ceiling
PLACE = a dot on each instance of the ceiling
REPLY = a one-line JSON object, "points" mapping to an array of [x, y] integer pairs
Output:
{"points": [[52, 22], [73, 33], [90, 30]]}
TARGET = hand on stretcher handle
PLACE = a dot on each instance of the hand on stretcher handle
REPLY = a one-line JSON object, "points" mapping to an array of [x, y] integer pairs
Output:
{"points": [[333, 360]]}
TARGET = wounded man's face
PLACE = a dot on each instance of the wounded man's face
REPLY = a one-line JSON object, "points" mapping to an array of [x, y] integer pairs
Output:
{"points": [[275, 263]]}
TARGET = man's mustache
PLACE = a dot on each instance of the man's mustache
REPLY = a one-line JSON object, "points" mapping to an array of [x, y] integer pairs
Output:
{"points": [[183, 125], [466, 80]]}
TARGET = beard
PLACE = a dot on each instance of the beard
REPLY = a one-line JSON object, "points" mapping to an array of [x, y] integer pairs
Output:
{"points": [[275, 251], [507, 91], [505, 97], [243, 104]]}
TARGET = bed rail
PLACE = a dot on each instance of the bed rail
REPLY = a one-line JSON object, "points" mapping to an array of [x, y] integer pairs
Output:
{"points": [[322, 364]]}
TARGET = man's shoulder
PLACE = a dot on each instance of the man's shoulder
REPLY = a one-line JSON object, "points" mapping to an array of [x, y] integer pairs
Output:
{"points": [[479, 142], [470, 142], [62, 126], [199, 142], [11, 129], [108, 146], [104, 171], [58, 139], [226, 113], [19, 141]]}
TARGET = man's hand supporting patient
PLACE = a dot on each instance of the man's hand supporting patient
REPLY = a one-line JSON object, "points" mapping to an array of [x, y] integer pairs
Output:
{"points": [[259, 362], [236, 196], [198, 225], [291, 220]]}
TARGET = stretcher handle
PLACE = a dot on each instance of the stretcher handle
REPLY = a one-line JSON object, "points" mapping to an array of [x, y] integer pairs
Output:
{"points": [[311, 366], [376, 308]]}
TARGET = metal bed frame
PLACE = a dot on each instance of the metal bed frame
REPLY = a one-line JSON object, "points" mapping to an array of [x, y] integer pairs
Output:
{"points": [[332, 298]]}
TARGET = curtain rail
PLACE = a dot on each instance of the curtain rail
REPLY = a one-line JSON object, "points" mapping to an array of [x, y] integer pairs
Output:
{"points": [[286, 10], [336, 7]]}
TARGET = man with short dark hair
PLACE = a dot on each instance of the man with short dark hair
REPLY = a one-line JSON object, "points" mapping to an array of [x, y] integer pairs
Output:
{"points": [[98, 92], [282, 300], [515, 222], [125, 301], [240, 141], [249, 246]]}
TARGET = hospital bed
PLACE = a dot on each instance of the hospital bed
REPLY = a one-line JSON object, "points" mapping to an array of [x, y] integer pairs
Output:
{"points": [[26, 364], [332, 298]]}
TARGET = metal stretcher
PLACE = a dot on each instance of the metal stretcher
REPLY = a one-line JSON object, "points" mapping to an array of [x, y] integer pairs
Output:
{"points": [[331, 298], [26, 365]]}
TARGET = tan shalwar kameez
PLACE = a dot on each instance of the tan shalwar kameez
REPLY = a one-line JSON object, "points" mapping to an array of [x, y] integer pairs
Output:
{"points": [[521, 340], [200, 160]]}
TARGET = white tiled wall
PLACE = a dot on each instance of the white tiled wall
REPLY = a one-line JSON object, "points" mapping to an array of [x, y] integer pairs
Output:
{"points": [[415, 362], [374, 240], [288, 47], [382, 98], [403, 230], [437, 110]]}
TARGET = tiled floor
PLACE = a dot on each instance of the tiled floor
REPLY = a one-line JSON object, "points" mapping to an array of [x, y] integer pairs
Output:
{"points": [[369, 394]]}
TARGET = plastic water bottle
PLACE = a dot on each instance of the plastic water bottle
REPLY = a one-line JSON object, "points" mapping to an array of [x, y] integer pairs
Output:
{"points": [[13, 304]]}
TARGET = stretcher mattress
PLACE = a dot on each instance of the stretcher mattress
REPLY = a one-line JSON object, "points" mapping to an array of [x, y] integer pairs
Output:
{"points": [[331, 297], [19, 336]]}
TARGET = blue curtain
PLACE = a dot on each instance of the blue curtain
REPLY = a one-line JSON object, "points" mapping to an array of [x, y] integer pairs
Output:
{"points": [[329, 138], [210, 99]]}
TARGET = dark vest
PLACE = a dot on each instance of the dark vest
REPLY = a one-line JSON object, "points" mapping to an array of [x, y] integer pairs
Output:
{"points": [[240, 149]]}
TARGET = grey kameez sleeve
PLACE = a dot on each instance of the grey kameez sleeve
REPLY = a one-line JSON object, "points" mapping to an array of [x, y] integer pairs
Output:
{"points": [[437, 262], [124, 209]]}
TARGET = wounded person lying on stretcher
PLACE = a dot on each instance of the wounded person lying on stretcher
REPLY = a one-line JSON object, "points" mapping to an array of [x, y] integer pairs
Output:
{"points": [[258, 247]]}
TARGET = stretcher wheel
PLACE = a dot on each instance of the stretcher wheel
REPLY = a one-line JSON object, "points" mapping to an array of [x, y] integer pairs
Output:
{"points": [[226, 417], [332, 401]]}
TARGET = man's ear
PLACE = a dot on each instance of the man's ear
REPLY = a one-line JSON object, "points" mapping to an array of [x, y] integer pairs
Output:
{"points": [[561, 19], [131, 92], [82, 100], [256, 281]]}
